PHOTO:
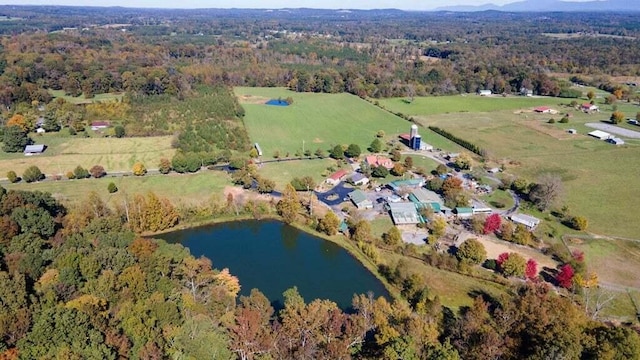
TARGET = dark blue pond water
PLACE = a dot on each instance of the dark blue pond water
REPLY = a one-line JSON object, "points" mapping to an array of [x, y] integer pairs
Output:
{"points": [[273, 256], [276, 102]]}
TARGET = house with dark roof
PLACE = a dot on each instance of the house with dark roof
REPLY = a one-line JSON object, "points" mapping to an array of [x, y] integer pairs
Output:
{"points": [[359, 179]]}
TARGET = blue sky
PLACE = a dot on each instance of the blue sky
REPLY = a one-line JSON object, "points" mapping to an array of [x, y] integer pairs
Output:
{"points": [[324, 4]]}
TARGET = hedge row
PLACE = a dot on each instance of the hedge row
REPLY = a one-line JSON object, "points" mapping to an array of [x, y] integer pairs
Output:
{"points": [[464, 143]]}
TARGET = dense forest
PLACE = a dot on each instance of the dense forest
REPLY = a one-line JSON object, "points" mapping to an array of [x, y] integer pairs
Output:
{"points": [[79, 284]]}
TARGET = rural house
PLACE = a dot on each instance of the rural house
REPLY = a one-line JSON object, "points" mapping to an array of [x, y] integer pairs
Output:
{"points": [[359, 179], [375, 161], [360, 200]]}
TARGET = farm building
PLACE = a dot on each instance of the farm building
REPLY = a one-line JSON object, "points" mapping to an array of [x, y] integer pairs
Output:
{"points": [[424, 196], [258, 149], [601, 135], [615, 141], [464, 212], [359, 179], [336, 177], [40, 130], [375, 161], [404, 213], [33, 150], [526, 92], [360, 200], [484, 92], [409, 183], [99, 125], [589, 107], [529, 221]]}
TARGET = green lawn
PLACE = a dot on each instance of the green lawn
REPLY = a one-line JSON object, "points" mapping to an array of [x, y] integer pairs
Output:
{"points": [[82, 100], [64, 153], [313, 120], [422, 162], [180, 189], [466, 103]]}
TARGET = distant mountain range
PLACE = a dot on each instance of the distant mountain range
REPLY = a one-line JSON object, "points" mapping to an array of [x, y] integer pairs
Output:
{"points": [[551, 6]]}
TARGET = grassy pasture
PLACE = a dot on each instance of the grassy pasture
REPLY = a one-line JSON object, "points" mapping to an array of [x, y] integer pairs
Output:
{"points": [[180, 189], [470, 103], [82, 100], [320, 120], [65, 153]]}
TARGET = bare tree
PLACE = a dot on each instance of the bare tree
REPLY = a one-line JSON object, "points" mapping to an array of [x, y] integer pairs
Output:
{"points": [[546, 191]]}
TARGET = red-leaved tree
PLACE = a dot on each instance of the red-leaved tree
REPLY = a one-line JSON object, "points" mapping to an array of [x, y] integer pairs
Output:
{"points": [[501, 259], [578, 255], [565, 276], [531, 271], [492, 224]]}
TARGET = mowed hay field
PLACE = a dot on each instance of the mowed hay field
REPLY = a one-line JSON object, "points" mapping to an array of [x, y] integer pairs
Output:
{"points": [[66, 153], [320, 120], [597, 176], [179, 188], [464, 103]]}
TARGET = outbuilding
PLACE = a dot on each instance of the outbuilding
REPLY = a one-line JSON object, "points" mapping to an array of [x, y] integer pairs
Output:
{"points": [[464, 212], [33, 150], [484, 92], [336, 177], [599, 134], [99, 125], [528, 221]]}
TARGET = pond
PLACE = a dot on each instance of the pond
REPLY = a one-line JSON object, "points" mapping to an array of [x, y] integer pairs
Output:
{"points": [[273, 257], [277, 102]]}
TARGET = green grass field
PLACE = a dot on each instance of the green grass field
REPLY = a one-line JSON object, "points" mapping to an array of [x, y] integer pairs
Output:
{"points": [[313, 120], [65, 153], [180, 189], [283, 172], [470, 103], [82, 100]]}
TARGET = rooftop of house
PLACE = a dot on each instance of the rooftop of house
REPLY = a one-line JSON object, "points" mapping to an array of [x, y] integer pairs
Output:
{"points": [[357, 196]]}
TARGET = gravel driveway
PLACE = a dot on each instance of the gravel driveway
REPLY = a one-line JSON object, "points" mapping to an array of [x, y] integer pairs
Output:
{"points": [[632, 134]]}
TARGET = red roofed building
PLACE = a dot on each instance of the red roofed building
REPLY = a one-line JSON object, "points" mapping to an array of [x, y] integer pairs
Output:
{"points": [[545, 110], [375, 161], [97, 125], [336, 177], [589, 107], [405, 137]]}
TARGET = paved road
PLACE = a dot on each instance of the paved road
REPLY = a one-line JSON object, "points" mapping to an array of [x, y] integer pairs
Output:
{"points": [[632, 134]]}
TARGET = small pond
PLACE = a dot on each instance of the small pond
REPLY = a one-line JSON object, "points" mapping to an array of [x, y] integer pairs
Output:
{"points": [[277, 102], [272, 256]]}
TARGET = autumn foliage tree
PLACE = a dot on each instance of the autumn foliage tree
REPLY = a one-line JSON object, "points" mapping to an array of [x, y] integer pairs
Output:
{"points": [[531, 270], [139, 169], [151, 213], [492, 224], [289, 205], [565, 276], [97, 171]]}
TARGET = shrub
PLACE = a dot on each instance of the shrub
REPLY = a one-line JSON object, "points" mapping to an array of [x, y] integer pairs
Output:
{"points": [[112, 188], [81, 173], [579, 223], [32, 173], [97, 171], [617, 117], [565, 276], [353, 151], [139, 169], [70, 175], [564, 120], [513, 265], [472, 250], [552, 121], [13, 177], [119, 131], [165, 166]]}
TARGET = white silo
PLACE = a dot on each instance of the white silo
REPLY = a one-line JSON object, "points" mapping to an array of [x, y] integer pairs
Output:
{"points": [[414, 131]]}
